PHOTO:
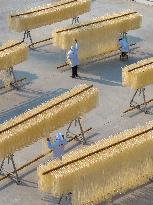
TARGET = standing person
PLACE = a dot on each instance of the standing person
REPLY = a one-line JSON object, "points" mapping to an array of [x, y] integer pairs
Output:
{"points": [[124, 47], [57, 146], [72, 56]]}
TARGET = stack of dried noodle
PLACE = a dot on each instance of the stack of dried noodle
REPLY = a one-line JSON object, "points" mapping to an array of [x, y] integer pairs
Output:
{"points": [[48, 14], [139, 74], [99, 35], [12, 53], [5, 77], [103, 169], [38, 122]]}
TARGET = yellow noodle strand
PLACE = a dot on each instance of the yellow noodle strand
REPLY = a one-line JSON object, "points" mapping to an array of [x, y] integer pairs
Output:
{"points": [[102, 175], [48, 16], [14, 55], [138, 75], [99, 36], [39, 126]]}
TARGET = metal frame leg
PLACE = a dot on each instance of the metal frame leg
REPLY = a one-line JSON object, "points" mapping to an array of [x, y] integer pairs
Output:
{"points": [[27, 35], [14, 82], [24, 35], [14, 167], [83, 137], [2, 164], [68, 129], [60, 199], [144, 98], [133, 98], [141, 91], [75, 20], [68, 195], [83, 140], [13, 176]]}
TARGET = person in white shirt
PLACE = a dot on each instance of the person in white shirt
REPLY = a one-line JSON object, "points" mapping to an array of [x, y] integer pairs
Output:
{"points": [[72, 57], [124, 47], [57, 146]]}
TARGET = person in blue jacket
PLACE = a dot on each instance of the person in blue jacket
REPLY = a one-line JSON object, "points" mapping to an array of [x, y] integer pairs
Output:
{"points": [[57, 146], [72, 57], [124, 47]]}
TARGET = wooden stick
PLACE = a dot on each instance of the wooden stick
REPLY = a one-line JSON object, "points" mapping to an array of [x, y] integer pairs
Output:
{"points": [[16, 82], [97, 151], [140, 66], [11, 46], [28, 118], [83, 25], [62, 66], [133, 108], [41, 156], [47, 39], [31, 12]]}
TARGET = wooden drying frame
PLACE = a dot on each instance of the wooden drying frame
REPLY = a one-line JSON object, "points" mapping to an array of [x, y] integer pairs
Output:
{"points": [[30, 12], [40, 157], [97, 151], [79, 27], [16, 124], [87, 24]]}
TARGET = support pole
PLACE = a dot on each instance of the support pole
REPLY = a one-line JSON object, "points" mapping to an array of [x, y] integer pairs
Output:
{"points": [[13, 175], [76, 121], [67, 196], [133, 98], [82, 132], [144, 98], [27, 35], [141, 91], [14, 83], [75, 20]]}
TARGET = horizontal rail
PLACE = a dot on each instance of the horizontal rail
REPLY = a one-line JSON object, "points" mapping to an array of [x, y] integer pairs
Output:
{"points": [[140, 67], [16, 44], [37, 42], [31, 12]]}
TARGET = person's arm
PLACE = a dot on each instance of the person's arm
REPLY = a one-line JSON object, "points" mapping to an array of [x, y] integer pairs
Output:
{"points": [[76, 45], [50, 146]]}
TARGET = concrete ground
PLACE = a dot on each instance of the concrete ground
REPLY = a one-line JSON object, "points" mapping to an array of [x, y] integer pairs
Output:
{"points": [[45, 82]]}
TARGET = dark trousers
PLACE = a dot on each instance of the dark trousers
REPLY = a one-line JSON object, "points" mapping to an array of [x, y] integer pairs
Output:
{"points": [[75, 71]]}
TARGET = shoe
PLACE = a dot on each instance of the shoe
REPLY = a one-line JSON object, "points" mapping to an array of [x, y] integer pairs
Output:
{"points": [[73, 76]]}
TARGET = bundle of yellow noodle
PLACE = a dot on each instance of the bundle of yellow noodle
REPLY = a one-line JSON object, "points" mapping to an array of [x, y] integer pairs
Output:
{"points": [[103, 169], [40, 121], [97, 36], [139, 74], [48, 14], [12, 53]]}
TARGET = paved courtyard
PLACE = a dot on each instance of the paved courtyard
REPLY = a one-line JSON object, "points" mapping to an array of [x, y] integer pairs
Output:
{"points": [[44, 82]]}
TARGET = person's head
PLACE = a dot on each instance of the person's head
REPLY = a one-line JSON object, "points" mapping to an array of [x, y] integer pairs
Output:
{"points": [[59, 136], [120, 39], [72, 48]]}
